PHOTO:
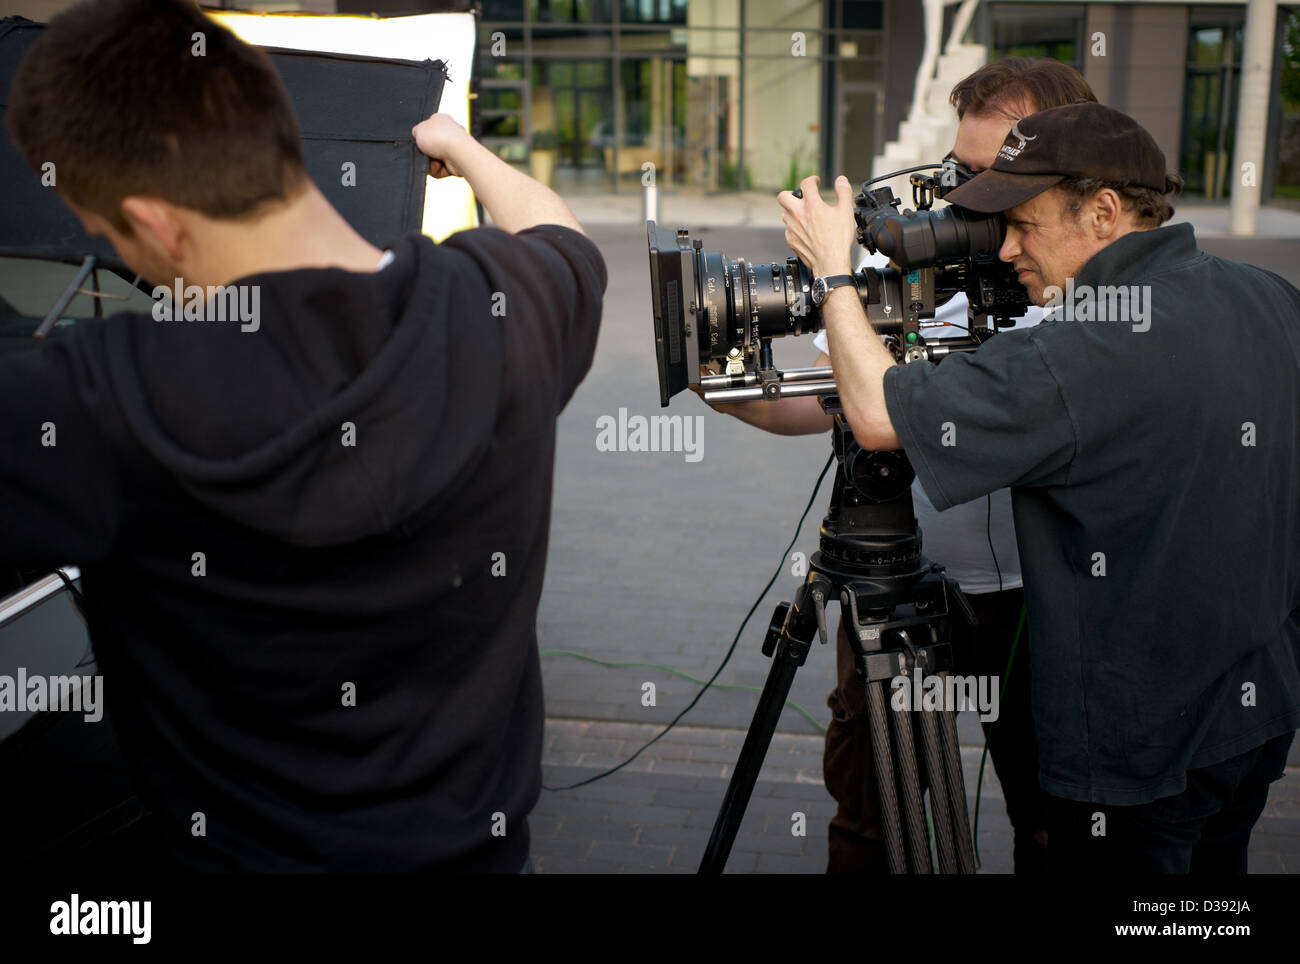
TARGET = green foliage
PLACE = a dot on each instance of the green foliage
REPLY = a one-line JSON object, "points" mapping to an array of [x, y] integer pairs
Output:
{"points": [[801, 166], [545, 141], [727, 180]]}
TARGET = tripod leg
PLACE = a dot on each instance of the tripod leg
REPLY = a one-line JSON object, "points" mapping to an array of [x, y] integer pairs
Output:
{"points": [[957, 792], [885, 787], [918, 841], [789, 656], [939, 803]]}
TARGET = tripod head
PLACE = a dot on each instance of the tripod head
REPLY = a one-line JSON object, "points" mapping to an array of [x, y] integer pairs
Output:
{"points": [[869, 557], [870, 527]]}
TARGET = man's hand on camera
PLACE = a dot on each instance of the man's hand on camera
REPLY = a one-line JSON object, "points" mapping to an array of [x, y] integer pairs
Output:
{"points": [[438, 137], [821, 234]]}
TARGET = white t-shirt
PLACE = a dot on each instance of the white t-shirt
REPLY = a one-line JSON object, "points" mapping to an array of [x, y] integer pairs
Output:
{"points": [[959, 538], [386, 260]]}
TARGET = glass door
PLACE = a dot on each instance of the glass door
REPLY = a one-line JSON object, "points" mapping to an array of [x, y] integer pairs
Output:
{"points": [[1210, 108], [652, 118]]}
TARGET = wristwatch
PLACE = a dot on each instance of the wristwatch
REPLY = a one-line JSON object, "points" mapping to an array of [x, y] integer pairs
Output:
{"points": [[822, 286]]}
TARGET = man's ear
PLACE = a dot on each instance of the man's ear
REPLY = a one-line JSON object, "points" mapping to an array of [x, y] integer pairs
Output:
{"points": [[1108, 212], [156, 224]]}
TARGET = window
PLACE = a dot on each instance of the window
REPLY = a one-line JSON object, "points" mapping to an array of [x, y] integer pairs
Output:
{"points": [[1210, 106], [1035, 31]]}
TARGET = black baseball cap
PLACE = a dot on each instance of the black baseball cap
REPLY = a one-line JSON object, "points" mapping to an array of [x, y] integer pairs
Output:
{"points": [[1085, 139]]}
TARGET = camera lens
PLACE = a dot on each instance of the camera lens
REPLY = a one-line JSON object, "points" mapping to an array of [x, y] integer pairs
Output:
{"points": [[919, 238]]}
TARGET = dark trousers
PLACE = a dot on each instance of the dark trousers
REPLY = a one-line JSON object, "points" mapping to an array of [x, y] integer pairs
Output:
{"points": [[856, 844], [1203, 830]]}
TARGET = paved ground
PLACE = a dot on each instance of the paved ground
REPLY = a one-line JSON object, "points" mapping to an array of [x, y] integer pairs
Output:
{"points": [[655, 815], [655, 560], [658, 817]]}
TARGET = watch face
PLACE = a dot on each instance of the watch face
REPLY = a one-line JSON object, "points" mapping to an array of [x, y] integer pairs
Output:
{"points": [[819, 291]]}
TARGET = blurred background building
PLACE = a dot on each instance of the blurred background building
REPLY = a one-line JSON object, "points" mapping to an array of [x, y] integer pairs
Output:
{"points": [[727, 95]]}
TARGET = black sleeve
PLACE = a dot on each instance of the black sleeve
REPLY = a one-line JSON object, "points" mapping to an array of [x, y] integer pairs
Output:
{"points": [[59, 485], [560, 274], [979, 422], [582, 281]]}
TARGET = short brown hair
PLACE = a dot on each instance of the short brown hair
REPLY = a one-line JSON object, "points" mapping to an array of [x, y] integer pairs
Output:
{"points": [[1150, 208], [117, 95], [1004, 85]]}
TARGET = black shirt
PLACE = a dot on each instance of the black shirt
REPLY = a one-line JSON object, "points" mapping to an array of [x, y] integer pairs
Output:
{"points": [[1156, 491], [347, 678]]}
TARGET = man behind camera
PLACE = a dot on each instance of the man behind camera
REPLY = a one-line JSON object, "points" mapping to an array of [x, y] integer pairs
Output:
{"points": [[312, 549], [975, 542], [1149, 440]]}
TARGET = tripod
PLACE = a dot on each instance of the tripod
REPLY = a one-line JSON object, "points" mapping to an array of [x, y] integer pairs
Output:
{"points": [[897, 607]]}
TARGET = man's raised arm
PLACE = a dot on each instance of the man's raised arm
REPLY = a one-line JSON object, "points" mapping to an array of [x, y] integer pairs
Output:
{"points": [[512, 199], [823, 235]]}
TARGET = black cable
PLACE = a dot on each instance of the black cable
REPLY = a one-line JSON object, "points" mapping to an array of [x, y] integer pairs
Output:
{"points": [[726, 659], [988, 737], [79, 603], [1006, 677], [78, 599], [988, 534]]}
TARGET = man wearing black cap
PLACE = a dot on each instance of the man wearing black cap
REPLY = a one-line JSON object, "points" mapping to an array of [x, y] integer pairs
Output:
{"points": [[1149, 432]]}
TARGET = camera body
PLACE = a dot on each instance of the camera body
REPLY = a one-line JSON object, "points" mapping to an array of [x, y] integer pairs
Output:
{"points": [[714, 317]]}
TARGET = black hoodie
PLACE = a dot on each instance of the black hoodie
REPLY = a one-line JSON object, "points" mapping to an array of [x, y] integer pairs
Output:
{"points": [[312, 553]]}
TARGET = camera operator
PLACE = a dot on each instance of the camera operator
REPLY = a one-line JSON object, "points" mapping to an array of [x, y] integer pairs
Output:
{"points": [[313, 549], [975, 542], [1155, 480]]}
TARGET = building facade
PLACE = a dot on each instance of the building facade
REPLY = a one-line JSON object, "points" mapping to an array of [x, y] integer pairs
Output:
{"points": [[725, 95], [588, 92]]}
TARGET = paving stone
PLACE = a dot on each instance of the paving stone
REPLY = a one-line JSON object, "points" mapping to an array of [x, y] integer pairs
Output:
{"points": [[647, 815], [562, 865], [687, 767], [771, 863], [645, 856], [583, 743], [1270, 864], [544, 824], [592, 831], [713, 754], [738, 862], [577, 807], [704, 816], [571, 843], [689, 799], [695, 838], [773, 843], [1269, 843]]}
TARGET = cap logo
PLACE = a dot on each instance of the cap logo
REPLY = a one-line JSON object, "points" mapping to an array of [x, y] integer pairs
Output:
{"points": [[1015, 132], [1011, 153]]}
